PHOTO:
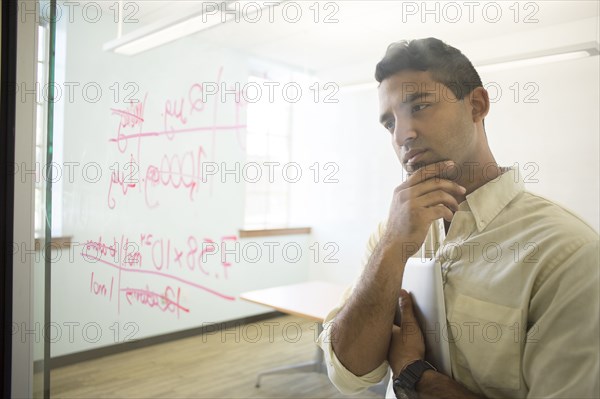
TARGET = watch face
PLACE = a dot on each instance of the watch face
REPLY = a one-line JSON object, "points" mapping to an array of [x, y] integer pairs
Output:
{"points": [[401, 393]]}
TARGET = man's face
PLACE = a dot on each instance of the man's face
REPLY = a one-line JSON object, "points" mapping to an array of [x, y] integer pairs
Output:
{"points": [[426, 121]]}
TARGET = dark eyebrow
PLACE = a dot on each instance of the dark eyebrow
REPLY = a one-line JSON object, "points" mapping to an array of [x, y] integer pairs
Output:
{"points": [[408, 99], [415, 96]]}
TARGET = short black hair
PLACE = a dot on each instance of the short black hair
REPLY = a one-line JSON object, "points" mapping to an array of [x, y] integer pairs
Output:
{"points": [[446, 64]]}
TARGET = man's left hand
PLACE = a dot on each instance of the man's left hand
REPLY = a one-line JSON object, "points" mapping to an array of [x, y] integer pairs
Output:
{"points": [[407, 344]]}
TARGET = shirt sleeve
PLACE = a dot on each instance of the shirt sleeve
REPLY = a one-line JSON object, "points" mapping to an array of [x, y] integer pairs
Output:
{"points": [[343, 379], [562, 345]]}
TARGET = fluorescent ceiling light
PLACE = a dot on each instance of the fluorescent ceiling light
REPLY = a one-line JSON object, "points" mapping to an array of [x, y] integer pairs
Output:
{"points": [[131, 45], [168, 30], [581, 50], [532, 61], [540, 57]]}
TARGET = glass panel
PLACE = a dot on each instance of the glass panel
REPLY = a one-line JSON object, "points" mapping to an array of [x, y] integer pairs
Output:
{"points": [[151, 138], [43, 202]]}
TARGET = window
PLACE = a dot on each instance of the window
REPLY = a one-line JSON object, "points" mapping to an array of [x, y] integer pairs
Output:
{"points": [[42, 102], [40, 129], [268, 140]]}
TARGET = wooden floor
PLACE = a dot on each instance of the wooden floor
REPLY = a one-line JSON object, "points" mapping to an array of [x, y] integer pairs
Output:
{"points": [[220, 365]]}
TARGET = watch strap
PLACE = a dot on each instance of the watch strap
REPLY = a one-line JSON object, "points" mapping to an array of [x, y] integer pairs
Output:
{"points": [[410, 376]]}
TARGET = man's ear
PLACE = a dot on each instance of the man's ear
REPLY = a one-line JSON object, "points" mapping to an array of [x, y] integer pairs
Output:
{"points": [[480, 103]]}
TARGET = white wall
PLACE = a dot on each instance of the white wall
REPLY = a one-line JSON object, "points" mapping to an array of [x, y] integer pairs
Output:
{"points": [[345, 212], [556, 139]]}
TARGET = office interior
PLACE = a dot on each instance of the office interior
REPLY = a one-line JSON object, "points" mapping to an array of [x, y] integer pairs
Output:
{"points": [[172, 156]]}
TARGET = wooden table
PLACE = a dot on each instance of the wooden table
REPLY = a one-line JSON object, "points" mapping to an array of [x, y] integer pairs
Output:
{"points": [[311, 300]]}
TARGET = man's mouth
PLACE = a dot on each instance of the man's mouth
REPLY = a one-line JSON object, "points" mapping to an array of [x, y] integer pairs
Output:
{"points": [[414, 156]]}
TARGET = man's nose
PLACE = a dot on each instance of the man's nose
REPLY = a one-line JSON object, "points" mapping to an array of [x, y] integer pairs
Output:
{"points": [[404, 132]]}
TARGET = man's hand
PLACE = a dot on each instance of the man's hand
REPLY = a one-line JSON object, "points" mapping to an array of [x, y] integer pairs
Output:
{"points": [[407, 343], [425, 196]]}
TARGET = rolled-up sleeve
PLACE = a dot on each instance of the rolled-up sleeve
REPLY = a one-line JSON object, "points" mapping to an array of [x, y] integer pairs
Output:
{"points": [[343, 379]]}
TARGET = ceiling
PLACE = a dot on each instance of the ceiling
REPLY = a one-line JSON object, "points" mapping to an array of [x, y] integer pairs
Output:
{"points": [[364, 29]]}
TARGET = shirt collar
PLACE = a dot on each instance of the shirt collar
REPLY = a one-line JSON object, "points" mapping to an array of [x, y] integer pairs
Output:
{"points": [[487, 201]]}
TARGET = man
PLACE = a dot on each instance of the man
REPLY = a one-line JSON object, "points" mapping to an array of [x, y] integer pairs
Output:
{"points": [[520, 283]]}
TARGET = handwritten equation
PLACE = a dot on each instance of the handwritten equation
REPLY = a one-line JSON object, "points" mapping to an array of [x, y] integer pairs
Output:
{"points": [[168, 171], [179, 266]]}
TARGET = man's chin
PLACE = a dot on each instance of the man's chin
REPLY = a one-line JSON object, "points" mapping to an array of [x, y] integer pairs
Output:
{"points": [[413, 167]]}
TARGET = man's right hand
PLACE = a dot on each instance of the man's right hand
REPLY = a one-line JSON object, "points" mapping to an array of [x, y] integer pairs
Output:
{"points": [[426, 195], [363, 329]]}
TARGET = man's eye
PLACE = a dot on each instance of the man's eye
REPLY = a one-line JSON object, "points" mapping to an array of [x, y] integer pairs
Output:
{"points": [[419, 107], [389, 126]]}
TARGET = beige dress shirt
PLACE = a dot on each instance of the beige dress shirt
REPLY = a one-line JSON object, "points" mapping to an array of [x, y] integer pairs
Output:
{"points": [[521, 287]]}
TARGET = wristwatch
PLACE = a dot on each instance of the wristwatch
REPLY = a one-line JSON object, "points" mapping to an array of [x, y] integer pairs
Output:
{"points": [[405, 384]]}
